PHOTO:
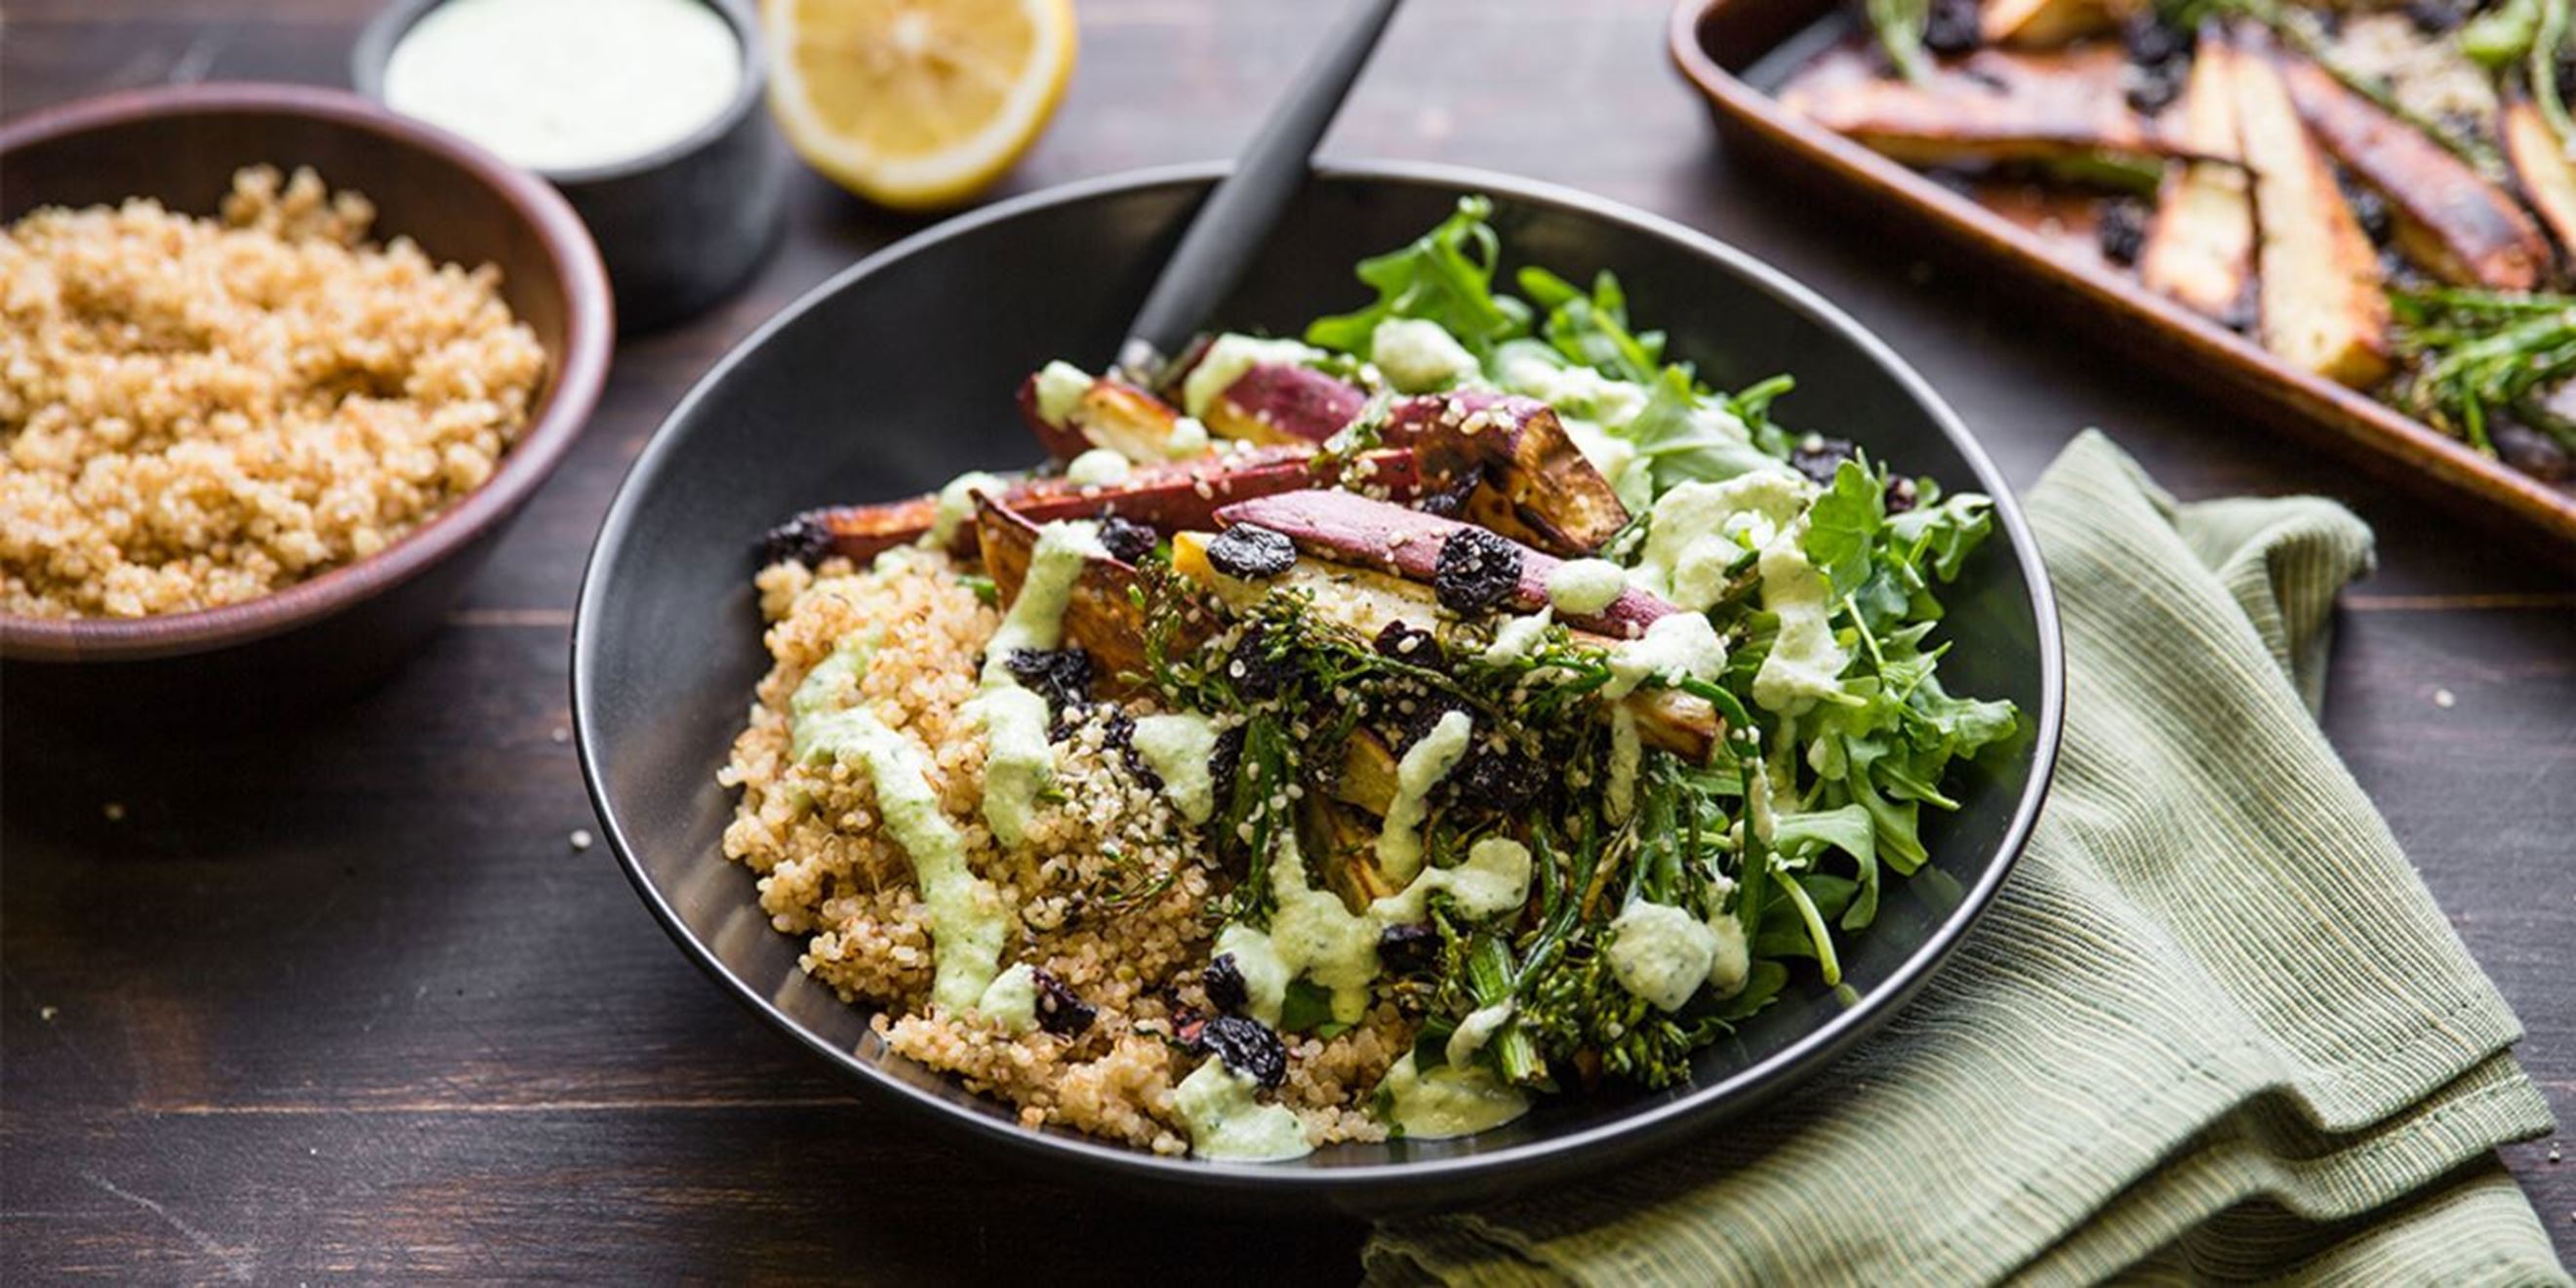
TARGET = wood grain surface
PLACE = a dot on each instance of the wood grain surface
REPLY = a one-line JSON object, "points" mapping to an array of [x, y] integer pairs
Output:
{"points": [[341, 998]]}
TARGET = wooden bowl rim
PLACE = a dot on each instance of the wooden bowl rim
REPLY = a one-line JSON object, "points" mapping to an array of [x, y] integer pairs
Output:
{"points": [[578, 372]]}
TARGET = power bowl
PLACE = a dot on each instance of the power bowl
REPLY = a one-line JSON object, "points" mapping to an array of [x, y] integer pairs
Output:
{"points": [[327, 635], [899, 373]]}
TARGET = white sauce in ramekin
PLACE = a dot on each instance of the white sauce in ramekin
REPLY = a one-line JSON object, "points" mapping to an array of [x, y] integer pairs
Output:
{"points": [[567, 84]]}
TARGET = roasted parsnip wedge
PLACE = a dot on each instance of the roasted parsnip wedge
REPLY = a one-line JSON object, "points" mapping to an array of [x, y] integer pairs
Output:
{"points": [[2450, 220], [2318, 281], [2043, 24], [2200, 247], [1532, 483], [1106, 413], [2541, 163], [1992, 106]]}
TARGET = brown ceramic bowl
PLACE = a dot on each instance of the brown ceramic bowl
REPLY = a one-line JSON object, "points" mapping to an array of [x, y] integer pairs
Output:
{"points": [[325, 636]]}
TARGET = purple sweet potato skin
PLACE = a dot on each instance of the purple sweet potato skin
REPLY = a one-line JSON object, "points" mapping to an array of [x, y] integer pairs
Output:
{"points": [[1169, 497], [1271, 403], [1349, 528], [1063, 442]]}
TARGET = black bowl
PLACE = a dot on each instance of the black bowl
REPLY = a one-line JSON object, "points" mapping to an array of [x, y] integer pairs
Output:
{"points": [[898, 374]]}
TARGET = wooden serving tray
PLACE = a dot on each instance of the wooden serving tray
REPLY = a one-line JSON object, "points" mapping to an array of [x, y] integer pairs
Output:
{"points": [[1735, 51]]}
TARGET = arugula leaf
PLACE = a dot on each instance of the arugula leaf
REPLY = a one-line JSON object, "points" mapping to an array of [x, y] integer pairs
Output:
{"points": [[1445, 276], [1947, 532], [1849, 829], [1684, 438], [1593, 330], [1843, 525]]}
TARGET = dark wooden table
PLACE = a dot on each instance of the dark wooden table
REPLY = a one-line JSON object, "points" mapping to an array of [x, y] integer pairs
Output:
{"points": [[344, 999]]}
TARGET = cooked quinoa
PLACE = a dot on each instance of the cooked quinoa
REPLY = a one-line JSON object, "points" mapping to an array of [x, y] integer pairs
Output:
{"points": [[197, 412], [1109, 894]]}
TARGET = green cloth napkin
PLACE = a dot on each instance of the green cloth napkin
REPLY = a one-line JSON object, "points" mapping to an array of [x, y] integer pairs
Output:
{"points": [[2212, 1027]]}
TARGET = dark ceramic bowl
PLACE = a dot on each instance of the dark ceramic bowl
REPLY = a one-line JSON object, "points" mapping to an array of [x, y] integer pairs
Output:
{"points": [[324, 636], [899, 374], [680, 227]]}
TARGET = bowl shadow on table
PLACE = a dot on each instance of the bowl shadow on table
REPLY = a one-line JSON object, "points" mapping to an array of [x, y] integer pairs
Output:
{"points": [[668, 646]]}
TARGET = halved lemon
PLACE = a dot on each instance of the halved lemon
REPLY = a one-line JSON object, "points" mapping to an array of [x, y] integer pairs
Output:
{"points": [[916, 103]]}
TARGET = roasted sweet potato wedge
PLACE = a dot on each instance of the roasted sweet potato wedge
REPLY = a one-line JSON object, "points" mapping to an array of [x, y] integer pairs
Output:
{"points": [[2318, 280], [1101, 616], [1277, 403], [1365, 600], [2200, 248], [1352, 529], [1110, 413], [1167, 497], [2541, 163], [1368, 777], [1992, 106], [2460, 227], [1533, 484]]}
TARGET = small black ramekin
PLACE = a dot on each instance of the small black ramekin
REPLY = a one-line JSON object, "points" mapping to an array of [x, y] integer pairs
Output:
{"points": [[679, 227]]}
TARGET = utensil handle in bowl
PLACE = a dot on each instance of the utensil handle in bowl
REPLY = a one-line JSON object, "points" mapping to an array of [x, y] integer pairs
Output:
{"points": [[1247, 204]]}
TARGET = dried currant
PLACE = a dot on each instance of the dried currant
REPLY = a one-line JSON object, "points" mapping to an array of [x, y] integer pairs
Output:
{"points": [[1258, 670], [1126, 541], [1248, 1047], [1408, 947], [1059, 1011], [1223, 983], [1476, 571], [1062, 674], [1950, 26], [1817, 457], [1504, 780], [1901, 495], [1250, 551], [1406, 643], [803, 539], [1226, 761], [2122, 230]]}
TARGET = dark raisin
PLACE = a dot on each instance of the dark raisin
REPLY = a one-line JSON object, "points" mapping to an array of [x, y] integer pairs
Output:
{"points": [[803, 539], [1503, 780], [1901, 495], [1258, 669], [1126, 542], [1248, 550], [2122, 230], [2531, 451], [1247, 1046], [1408, 947], [1817, 457], [1950, 26], [1225, 761], [1223, 982], [2159, 62], [2371, 211], [2151, 42], [1059, 1011], [1062, 674], [1476, 571], [1406, 644], [2435, 17]]}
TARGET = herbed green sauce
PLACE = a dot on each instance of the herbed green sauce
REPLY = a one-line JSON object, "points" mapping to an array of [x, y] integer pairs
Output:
{"points": [[1226, 1122], [1018, 761], [1448, 1101], [967, 921]]}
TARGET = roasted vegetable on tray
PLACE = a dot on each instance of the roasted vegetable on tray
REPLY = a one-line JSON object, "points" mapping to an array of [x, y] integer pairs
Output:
{"points": [[2383, 194]]}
